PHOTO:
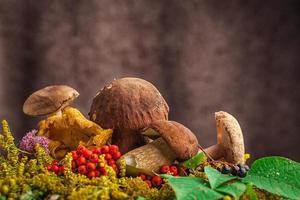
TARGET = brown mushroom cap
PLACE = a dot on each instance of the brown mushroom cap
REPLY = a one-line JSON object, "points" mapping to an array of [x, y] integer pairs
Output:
{"points": [[230, 137], [179, 138], [128, 103], [49, 100]]}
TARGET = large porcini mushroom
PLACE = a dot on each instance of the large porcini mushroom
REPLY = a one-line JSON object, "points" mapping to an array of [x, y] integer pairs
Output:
{"points": [[49, 100], [230, 142], [175, 142], [127, 106]]}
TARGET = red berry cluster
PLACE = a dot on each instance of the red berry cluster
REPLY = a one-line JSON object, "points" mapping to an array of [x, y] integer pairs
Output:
{"points": [[86, 161], [172, 170], [56, 168], [154, 181]]}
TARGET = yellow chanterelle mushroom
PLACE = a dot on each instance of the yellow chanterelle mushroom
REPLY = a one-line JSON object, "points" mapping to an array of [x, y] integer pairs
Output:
{"points": [[65, 126]]}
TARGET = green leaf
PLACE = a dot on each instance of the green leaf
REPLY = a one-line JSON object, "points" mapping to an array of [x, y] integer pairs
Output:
{"points": [[235, 189], [190, 188], [194, 161], [276, 175], [250, 192], [216, 178], [166, 176], [2, 197]]}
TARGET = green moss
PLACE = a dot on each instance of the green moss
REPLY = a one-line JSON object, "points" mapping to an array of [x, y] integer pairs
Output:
{"points": [[261, 195], [29, 176]]}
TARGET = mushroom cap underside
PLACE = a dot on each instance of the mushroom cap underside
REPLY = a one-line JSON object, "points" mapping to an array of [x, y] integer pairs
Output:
{"points": [[180, 139], [128, 103], [230, 136], [49, 100]]}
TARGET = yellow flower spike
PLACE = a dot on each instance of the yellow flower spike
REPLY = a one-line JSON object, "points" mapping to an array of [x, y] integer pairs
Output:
{"points": [[2, 142], [12, 182], [5, 127], [25, 188], [43, 159], [12, 196], [5, 189], [21, 169], [102, 161], [9, 145], [111, 174], [118, 195], [247, 156], [122, 172], [68, 166]]}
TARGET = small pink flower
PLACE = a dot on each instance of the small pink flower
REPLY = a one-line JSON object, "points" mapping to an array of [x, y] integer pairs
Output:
{"points": [[29, 141]]}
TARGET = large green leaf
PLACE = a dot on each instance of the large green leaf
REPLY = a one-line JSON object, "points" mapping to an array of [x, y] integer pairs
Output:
{"points": [[216, 178], [194, 161], [235, 189], [276, 175], [190, 188]]}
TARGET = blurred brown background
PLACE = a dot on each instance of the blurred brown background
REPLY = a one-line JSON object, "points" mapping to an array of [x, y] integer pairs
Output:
{"points": [[204, 56]]}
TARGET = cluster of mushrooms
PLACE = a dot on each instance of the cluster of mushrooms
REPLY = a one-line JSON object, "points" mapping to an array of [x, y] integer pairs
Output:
{"points": [[131, 113]]}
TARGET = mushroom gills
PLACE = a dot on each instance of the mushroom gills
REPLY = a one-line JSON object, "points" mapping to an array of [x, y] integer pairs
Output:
{"points": [[150, 133], [148, 158]]}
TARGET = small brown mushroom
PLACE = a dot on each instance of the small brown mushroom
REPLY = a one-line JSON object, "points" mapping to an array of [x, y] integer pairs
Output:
{"points": [[128, 105], [230, 142], [175, 142], [49, 100]]}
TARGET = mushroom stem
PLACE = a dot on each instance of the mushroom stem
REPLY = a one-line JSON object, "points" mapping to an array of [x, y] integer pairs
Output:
{"points": [[204, 151], [149, 158], [215, 151], [57, 113], [127, 139], [219, 151]]}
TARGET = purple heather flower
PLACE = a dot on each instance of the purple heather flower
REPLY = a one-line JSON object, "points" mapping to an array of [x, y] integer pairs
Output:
{"points": [[29, 141]]}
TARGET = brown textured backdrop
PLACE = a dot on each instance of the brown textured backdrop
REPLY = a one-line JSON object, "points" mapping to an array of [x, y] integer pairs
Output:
{"points": [[204, 56]]}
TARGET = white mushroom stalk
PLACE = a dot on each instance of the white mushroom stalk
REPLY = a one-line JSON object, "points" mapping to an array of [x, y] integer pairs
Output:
{"points": [[175, 142]]}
